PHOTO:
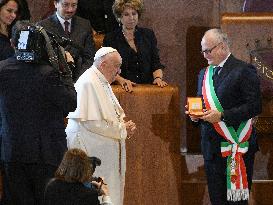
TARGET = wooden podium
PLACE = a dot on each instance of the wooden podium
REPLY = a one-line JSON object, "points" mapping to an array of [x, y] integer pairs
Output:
{"points": [[153, 174]]}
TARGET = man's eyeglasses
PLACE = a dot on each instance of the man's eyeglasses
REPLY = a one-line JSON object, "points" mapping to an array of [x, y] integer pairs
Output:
{"points": [[67, 5], [208, 51]]}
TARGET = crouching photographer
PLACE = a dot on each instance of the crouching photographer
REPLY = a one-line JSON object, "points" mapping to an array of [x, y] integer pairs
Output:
{"points": [[70, 185]]}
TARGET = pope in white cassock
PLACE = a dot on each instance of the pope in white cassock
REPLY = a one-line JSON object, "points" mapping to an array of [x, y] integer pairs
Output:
{"points": [[97, 125]]}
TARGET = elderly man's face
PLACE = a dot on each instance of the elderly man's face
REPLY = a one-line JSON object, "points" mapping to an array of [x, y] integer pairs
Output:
{"points": [[112, 64], [212, 50], [66, 8]]}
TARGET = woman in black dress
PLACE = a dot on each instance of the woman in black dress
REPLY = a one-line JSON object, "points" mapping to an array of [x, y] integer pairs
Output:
{"points": [[137, 47]]}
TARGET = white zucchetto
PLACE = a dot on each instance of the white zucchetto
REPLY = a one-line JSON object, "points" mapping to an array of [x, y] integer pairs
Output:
{"points": [[103, 51]]}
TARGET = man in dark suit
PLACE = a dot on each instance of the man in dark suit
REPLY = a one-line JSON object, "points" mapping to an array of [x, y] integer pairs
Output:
{"points": [[34, 98], [66, 24], [99, 13], [24, 13], [230, 91]]}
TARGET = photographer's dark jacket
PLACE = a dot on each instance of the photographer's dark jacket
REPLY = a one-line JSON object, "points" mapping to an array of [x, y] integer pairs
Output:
{"points": [[6, 50], [59, 192], [33, 103], [81, 35]]}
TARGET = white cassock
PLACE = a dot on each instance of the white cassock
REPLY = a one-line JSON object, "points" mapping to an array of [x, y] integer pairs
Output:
{"points": [[97, 127]]}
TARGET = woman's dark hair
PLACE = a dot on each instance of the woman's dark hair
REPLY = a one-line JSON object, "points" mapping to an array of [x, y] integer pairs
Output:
{"points": [[4, 2], [120, 5], [75, 167]]}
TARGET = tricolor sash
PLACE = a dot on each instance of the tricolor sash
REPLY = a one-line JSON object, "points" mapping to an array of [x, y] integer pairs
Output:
{"points": [[235, 146]]}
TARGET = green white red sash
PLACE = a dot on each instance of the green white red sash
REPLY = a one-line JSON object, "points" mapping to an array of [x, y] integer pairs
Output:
{"points": [[235, 146]]}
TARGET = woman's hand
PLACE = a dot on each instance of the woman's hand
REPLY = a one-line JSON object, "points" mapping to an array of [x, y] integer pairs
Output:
{"points": [[159, 82], [127, 85], [69, 57], [158, 74]]}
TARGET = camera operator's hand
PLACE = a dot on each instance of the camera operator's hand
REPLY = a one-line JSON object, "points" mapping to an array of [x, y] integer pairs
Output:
{"points": [[69, 57], [102, 187], [66, 76]]}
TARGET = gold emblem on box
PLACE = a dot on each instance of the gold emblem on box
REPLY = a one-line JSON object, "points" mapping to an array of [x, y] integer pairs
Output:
{"points": [[195, 106]]}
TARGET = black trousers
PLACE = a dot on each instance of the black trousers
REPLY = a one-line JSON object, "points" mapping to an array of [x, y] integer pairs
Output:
{"points": [[25, 183], [216, 178]]}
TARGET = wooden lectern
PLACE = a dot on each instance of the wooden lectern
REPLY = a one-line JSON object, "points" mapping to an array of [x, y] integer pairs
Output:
{"points": [[153, 174]]}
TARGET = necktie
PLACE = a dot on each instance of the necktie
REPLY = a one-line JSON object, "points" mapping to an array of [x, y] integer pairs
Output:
{"points": [[216, 70], [66, 27]]}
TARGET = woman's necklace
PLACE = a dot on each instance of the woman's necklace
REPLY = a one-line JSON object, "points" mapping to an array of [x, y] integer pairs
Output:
{"points": [[128, 36]]}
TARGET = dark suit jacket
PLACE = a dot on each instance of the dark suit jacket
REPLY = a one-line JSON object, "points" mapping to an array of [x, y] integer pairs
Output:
{"points": [[238, 90], [81, 34], [24, 10], [33, 103], [99, 13]]}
